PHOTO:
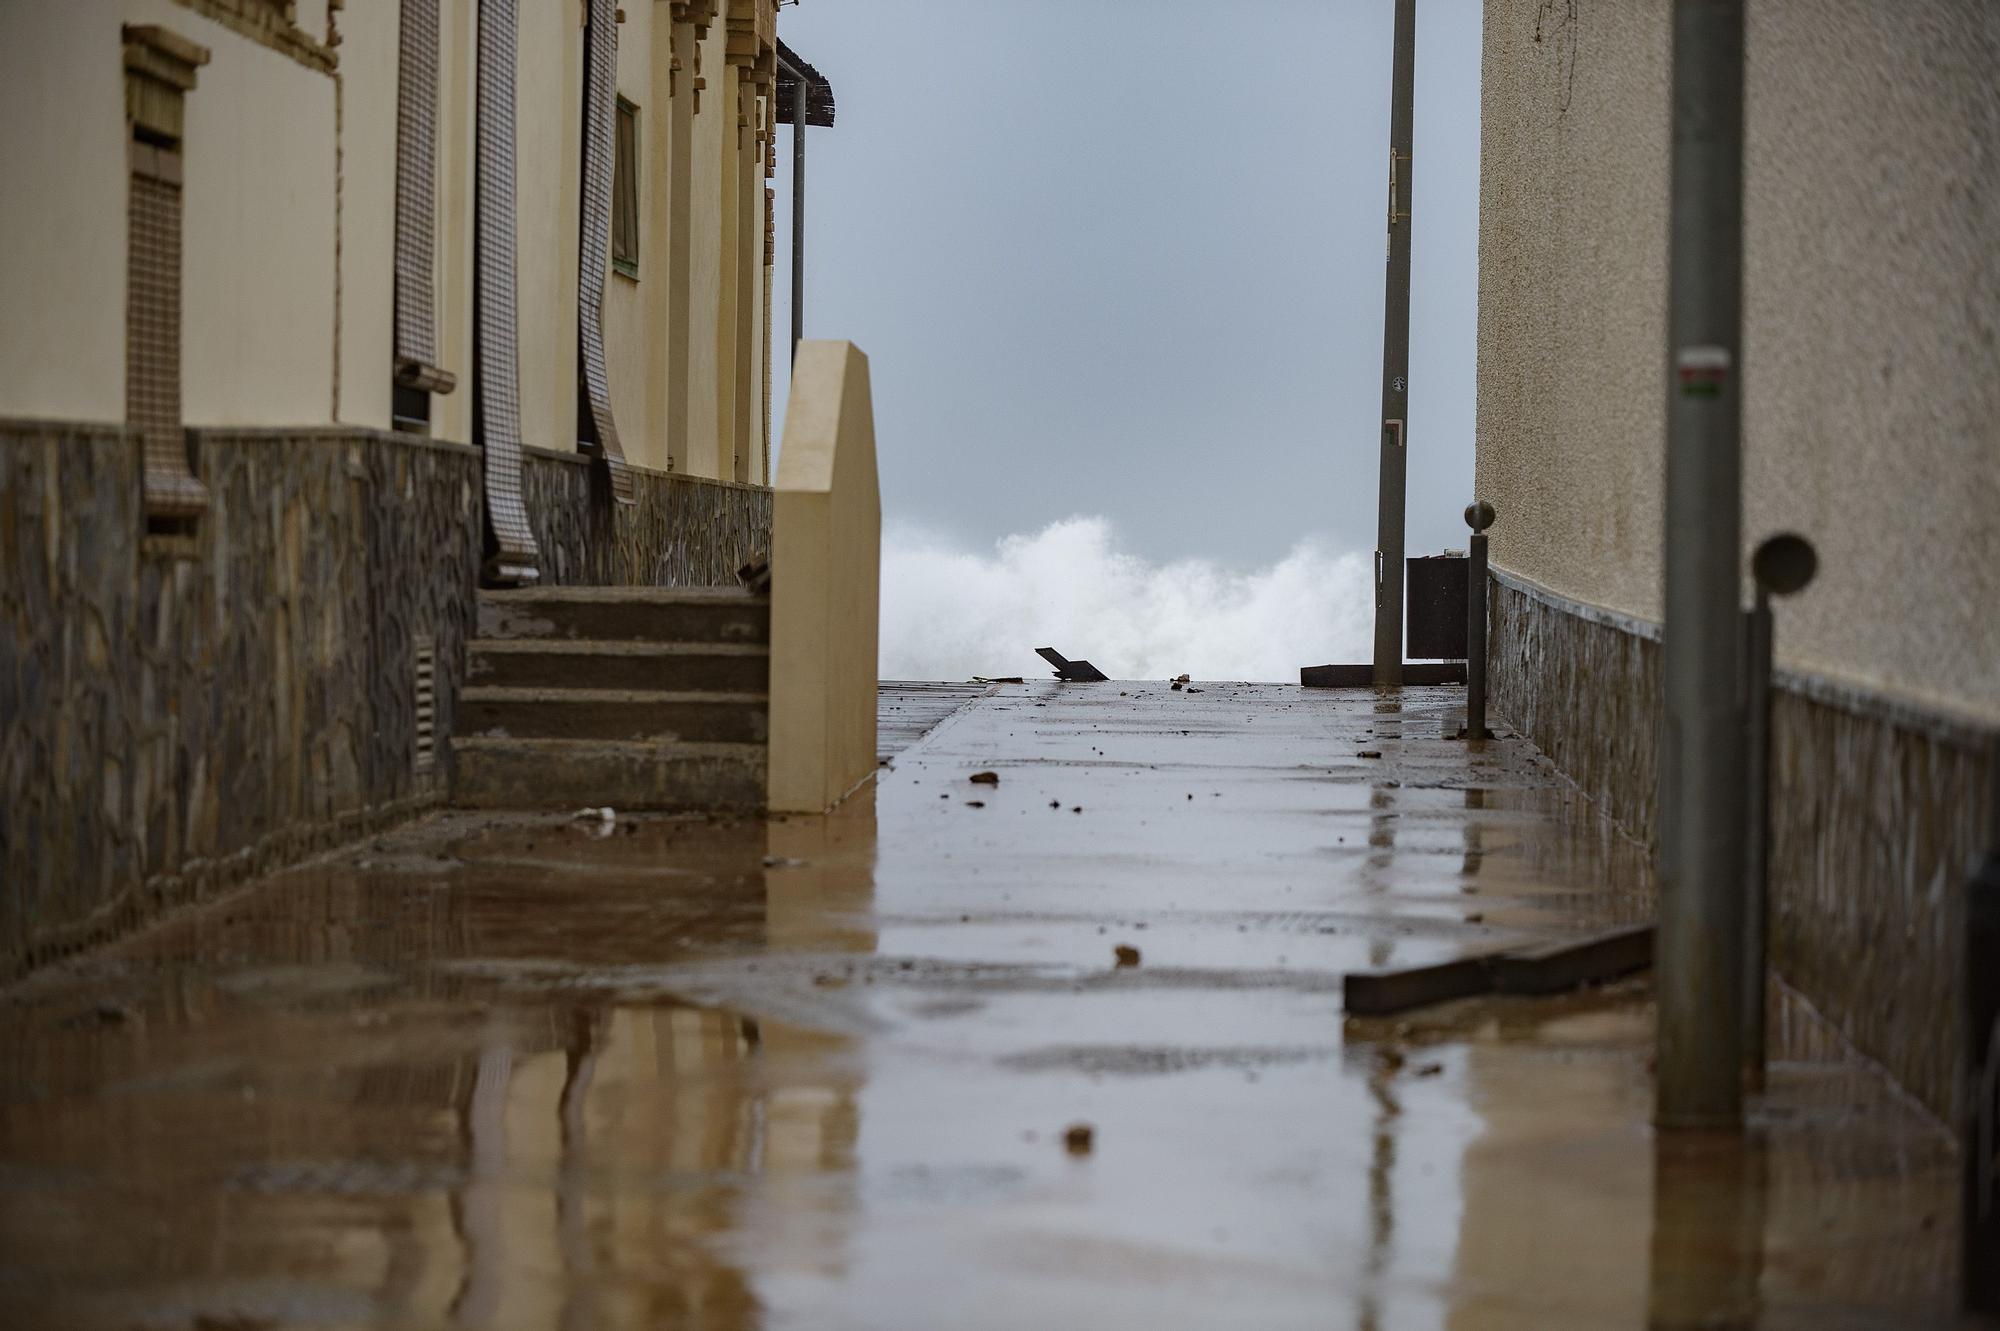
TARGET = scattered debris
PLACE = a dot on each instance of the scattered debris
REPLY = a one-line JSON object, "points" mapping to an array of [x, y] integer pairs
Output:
{"points": [[1078, 808], [1475, 918], [1078, 1138], [1074, 672], [1055, 804], [782, 862], [755, 573], [1127, 954], [975, 804], [1192, 689], [985, 778], [1369, 753], [607, 814], [998, 679], [1429, 1069], [1390, 1057], [103, 1014]]}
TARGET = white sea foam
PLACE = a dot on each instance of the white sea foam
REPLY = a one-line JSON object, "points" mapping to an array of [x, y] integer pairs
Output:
{"points": [[951, 613]]}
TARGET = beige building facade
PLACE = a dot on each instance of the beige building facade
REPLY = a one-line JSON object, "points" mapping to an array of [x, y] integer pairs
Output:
{"points": [[1871, 425], [324, 314], [289, 202]]}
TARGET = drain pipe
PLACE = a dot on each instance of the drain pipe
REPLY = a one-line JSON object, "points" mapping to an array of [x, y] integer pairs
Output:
{"points": [[1699, 962], [798, 210], [799, 88]]}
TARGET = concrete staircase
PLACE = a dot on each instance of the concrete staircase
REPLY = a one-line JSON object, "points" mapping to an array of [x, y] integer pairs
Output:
{"points": [[635, 697]]}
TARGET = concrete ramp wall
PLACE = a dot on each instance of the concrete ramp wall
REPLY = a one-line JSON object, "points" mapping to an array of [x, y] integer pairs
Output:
{"points": [[826, 572]]}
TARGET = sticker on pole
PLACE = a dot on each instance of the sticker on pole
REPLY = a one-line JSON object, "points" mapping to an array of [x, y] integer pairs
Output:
{"points": [[1703, 370]]}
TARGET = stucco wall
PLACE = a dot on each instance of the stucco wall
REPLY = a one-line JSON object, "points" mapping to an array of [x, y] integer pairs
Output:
{"points": [[257, 272], [368, 90], [288, 275], [62, 106], [1872, 292], [548, 150], [257, 221]]}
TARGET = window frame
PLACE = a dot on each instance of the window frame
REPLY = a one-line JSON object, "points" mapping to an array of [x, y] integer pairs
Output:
{"points": [[625, 172]]}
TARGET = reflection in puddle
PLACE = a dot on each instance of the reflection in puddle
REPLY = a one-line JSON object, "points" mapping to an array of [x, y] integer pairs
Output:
{"points": [[497, 1073], [284, 1111]]}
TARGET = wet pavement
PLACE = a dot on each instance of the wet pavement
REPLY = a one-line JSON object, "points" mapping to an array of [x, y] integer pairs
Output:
{"points": [[531, 1071]]}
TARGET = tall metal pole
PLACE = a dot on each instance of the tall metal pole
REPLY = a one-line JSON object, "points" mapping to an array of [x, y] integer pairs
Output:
{"points": [[798, 209], [1395, 360], [1698, 965]]}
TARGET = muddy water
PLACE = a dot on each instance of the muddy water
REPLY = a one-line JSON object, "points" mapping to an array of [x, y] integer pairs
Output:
{"points": [[540, 1072]]}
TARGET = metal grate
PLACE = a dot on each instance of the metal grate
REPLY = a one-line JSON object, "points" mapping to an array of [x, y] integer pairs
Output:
{"points": [[153, 333], [416, 203], [498, 402], [424, 758], [601, 157]]}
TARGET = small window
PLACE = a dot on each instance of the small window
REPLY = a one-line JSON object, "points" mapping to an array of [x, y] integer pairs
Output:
{"points": [[625, 192]]}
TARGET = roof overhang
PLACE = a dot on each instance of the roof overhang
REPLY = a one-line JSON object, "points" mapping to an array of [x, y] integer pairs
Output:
{"points": [[819, 93]]}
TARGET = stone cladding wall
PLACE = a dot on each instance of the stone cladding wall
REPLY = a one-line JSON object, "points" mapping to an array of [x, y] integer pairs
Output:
{"points": [[1878, 818], [179, 713], [680, 531]]}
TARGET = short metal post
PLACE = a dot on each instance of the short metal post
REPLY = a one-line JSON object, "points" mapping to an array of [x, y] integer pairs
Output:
{"points": [[1478, 516], [1757, 837], [1783, 566], [1979, 1267]]}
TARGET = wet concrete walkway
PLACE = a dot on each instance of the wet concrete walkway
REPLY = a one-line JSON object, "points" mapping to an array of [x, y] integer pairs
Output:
{"points": [[539, 1072]]}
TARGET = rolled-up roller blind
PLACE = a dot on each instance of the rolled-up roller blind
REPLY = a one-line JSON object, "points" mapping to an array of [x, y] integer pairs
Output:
{"points": [[497, 358], [600, 98], [416, 199]]}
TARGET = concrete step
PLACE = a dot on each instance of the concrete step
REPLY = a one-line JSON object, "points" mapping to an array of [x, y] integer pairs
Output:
{"points": [[511, 773], [547, 663], [626, 614], [621, 714]]}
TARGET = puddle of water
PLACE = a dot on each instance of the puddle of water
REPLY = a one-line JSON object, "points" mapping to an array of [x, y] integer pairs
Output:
{"points": [[517, 1072]]}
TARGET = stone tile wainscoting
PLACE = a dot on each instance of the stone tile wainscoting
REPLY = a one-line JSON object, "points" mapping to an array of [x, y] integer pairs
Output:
{"points": [[178, 713], [1878, 818], [679, 531]]}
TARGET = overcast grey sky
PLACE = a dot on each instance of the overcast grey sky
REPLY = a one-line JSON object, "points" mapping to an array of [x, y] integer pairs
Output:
{"points": [[1125, 258]]}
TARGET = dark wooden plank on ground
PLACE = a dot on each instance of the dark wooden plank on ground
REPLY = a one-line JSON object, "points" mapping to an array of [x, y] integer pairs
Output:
{"points": [[1377, 993], [1547, 969], [1573, 962], [1363, 676]]}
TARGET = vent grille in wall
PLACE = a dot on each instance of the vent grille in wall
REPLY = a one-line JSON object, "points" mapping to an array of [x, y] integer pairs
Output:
{"points": [[426, 661]]}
